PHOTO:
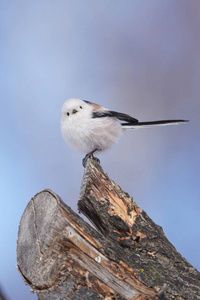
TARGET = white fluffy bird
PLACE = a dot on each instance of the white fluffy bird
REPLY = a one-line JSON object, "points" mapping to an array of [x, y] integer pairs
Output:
{"points": [[88, 127]]}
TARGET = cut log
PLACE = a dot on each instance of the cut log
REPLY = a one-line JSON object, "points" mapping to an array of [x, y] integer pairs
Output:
{"points": [[60, 256]]}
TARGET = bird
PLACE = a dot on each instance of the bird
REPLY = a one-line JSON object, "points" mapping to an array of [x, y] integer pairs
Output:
{"points": [[90, 128]]}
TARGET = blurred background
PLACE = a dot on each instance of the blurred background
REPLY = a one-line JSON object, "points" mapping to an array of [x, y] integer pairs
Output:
{"points": [[134, 56]]}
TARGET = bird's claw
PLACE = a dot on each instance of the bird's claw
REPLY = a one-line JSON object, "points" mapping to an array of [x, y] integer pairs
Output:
{"points": [[84, 161]]}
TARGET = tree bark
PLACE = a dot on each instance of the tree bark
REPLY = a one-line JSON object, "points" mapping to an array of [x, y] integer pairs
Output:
{"points": [[62, 257]]}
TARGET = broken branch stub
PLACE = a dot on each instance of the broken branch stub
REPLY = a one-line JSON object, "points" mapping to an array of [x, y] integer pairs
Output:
{"points": [[146, 249], [62, 257]]}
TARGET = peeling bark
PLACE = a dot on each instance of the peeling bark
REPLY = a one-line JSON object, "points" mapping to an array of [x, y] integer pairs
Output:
{"points": [[61, 257]]}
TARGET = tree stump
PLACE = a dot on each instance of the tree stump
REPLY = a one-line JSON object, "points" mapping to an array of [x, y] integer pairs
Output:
{"points": [[61, 257]]}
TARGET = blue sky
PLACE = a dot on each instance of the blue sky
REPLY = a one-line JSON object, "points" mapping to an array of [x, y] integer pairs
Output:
{"points": [[138, 57]]}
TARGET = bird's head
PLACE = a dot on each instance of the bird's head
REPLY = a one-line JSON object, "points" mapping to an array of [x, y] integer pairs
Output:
{"points": [[75, 109]]}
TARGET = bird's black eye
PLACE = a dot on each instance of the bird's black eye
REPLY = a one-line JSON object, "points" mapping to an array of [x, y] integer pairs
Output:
{"points": [[80, 107], [67, 113]]}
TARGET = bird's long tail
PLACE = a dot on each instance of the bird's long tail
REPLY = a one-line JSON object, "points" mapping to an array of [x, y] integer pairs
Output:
{"points": [[152, 123]]}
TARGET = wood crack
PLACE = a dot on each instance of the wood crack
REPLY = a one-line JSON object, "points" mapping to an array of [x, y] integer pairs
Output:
{"points": [[35, 227]]}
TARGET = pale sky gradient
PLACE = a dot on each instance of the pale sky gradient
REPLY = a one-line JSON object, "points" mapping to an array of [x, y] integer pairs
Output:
{"points": [[135, 56]]}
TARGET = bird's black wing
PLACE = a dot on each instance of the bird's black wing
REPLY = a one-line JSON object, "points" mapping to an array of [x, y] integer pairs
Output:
{"points": [[114, 114]]}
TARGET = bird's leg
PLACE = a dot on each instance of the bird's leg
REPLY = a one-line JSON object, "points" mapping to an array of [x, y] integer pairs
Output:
{"points": [[90, 155]]}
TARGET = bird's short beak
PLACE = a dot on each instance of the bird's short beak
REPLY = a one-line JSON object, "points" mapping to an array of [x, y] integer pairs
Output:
{"points": [[74, 111]]}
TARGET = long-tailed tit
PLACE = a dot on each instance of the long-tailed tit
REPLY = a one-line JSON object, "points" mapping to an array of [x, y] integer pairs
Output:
{"points": [[88, 127]]}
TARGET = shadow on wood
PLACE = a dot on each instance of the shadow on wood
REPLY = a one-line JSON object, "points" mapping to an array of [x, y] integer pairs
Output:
{"points": [[60, 256]]}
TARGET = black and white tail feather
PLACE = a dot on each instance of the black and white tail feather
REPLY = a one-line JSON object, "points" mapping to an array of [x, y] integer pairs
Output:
{"points": [[152, 124]]}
